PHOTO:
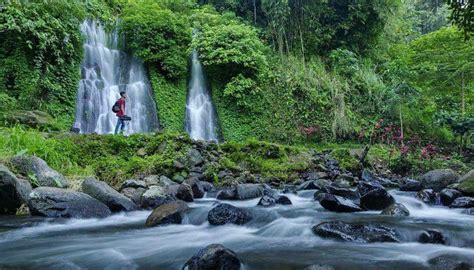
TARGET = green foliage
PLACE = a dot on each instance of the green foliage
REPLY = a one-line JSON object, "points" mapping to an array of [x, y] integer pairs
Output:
{"points": [[232, 47], [242, 90], [346, 160], [463, 15], [170, 97], [157, 35], [40, 53]]}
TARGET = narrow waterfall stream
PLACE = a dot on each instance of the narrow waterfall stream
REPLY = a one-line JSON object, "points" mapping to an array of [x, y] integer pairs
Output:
{"points": [[278, 238], [106, 71], [201, 119]]}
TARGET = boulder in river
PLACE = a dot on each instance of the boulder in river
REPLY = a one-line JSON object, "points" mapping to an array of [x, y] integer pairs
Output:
{"points": [[208, 187], [396, 210], [462, 202], [33, 166], [340, 191], [271, 200], [168, 213], [134, 194], [226, 213], [336, 203], [13, 191], [411, 185], [226, 194], [432, 237], [427, 196], [448, 195], [196, 187], [213, 257], [155, 196], [56, 202], [308, 185], [439, 179], [355, 232], [249, 191], [184, 192], [373, 196], [104, 193]]}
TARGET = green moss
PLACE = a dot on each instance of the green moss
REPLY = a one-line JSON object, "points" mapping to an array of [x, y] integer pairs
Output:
{"points": [[467, 186], [346, 160], [170, 100]]}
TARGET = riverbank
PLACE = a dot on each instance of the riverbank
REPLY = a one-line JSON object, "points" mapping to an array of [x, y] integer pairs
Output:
{"points": [[114, 159]]}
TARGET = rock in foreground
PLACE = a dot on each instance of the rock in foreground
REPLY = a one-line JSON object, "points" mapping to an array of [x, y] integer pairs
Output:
{"points": [[213, 257], [56, 202], [169, 213], [355, 232], [226, 213], [37, 168], [13, 191], [104, 193]]}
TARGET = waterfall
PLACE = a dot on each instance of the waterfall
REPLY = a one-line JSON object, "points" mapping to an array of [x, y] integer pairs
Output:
{"points": [[201, 118], [105, 72]]}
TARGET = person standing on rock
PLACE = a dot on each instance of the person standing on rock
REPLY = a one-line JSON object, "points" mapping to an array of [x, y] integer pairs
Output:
{"points": [[119, 110]]}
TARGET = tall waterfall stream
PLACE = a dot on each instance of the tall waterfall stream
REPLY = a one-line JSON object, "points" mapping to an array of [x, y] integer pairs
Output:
{"points": [[106, 71]]}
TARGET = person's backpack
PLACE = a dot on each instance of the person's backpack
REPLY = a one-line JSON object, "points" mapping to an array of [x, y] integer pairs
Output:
{"points": [[116, 107]]}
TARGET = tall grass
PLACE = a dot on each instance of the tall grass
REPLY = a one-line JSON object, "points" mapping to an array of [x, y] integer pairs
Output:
{"points": [[18, 140]]}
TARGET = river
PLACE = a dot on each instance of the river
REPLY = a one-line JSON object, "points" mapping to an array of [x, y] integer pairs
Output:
{"points": [[277, 238]]}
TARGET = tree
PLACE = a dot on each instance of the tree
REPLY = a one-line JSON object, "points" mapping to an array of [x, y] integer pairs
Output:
{"points": [[463, 15], [158, 35]]}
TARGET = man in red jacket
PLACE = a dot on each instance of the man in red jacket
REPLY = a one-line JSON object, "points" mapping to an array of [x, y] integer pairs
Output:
{"points": [[121, 113]]}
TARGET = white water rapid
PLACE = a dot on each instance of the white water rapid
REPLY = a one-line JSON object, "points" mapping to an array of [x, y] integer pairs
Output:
{"points": [[201, 119], [106, 71]]}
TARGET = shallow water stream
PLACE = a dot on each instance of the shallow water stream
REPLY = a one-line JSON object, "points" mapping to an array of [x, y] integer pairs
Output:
{"points": [[277, 238]]}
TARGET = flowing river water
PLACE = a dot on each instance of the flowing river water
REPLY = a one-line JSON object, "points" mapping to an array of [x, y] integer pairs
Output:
{"points": [[277, 238]]}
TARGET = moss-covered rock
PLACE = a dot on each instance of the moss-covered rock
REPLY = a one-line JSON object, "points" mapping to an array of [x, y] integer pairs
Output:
{"points": [[467, 183]]}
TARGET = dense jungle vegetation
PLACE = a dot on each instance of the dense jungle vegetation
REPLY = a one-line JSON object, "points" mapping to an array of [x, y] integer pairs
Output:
{"points": [[392, 72]]}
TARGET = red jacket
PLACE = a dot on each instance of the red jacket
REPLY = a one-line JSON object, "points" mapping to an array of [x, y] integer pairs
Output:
{"points": [[121, 103]]}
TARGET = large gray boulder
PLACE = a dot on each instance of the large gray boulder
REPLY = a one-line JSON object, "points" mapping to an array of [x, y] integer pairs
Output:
{"points": [[13, 191], [249, 191], [448, 195], [156, 196], [35, 119], [196, 187], [63, 203], [336, 203], [38, 169], [168, 213], [439, 179], [107, 195], [226, 213], [355, 232], [462, 202], [134, 194], [213, 257], [373, 196]]}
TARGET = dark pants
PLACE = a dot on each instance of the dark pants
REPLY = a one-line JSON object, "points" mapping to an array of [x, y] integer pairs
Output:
{"points": [[120, 125]]}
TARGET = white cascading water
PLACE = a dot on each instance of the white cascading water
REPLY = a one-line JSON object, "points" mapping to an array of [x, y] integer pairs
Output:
{"points": [[106, 71], [201, 118]]}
